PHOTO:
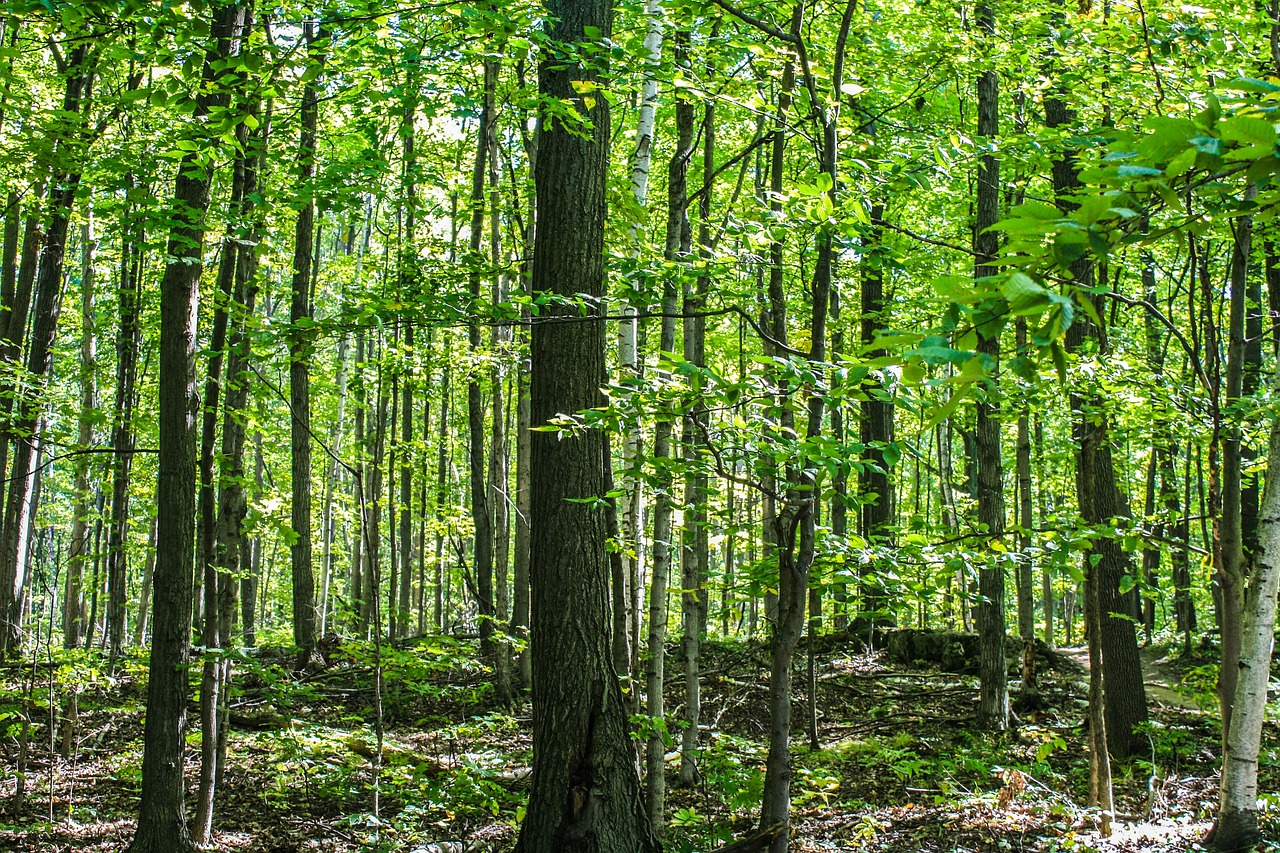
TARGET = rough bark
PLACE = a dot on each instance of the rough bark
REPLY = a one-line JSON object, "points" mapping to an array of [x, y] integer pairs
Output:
{"points": [[162, 826], [1099, 498], [585, 792], [993, 691]]}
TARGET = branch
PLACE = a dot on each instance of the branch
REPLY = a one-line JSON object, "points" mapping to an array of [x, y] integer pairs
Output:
{"points": [[762, 26]]}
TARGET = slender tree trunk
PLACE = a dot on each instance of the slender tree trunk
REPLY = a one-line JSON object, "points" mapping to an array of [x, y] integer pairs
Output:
{"points": [[128, 336], [223, 557], [329, 522], [73, 599], [1099, 764], [442, 493], [480, 508], [1230, 574], [300, 349], [993, 696], [630, 364], [1026, 581], [696, 556], [144, 595], [162, 826], [678, 242]]}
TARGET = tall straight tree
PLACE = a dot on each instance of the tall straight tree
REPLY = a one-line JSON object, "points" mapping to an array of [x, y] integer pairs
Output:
{"points": [[1098, 494], [480, 510], [73, 600], [993, 694], [162, 824], [304, 593], [585, 791]]}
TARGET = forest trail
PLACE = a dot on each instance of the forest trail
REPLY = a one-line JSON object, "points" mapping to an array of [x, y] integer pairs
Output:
{"points": [[1159, 676]]}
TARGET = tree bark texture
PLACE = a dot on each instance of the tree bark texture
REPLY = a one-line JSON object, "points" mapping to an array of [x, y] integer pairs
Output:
{"points": [[162, 826], [585, 792]]}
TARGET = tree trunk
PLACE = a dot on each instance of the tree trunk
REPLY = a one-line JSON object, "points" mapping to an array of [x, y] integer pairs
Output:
{"points": [[1100, 499], [630, 364], [1236, 829], [696, 553], [300, 351], [73, 599], [225, 553], [1230, 574], [585, 793], [1026, 581], [480, 509], [162, 826], [993, 693]]}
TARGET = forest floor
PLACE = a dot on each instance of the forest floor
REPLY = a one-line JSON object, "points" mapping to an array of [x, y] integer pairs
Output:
{"points": [[899, 767]]}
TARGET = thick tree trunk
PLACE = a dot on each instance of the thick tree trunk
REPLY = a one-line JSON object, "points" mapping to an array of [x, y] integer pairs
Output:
{"points": [[162, 826], [585, 793], [1099, 498]]}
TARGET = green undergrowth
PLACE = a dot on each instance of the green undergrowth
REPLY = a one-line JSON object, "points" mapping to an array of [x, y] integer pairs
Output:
{"points": [[899, 766]]}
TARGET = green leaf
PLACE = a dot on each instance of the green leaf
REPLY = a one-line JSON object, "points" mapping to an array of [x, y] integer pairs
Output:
{"points": [[1249, 130], [1131, 171]]}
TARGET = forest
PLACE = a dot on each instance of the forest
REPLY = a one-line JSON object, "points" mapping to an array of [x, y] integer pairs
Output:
{"points": [[616, 426]]}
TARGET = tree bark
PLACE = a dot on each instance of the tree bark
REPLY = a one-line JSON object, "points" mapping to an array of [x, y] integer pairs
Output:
{"points": [[585, 793], [993, 693], [300, 351], [1236, 829], [1099, 498], [73, 599], [162, 826]]}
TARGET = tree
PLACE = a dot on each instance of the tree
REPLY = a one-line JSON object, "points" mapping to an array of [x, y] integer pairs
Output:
{"points": [[304, 592], [585, 792], [162, 825]]}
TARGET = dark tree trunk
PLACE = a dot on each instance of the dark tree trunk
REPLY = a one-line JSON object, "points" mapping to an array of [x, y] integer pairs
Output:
{"points": [[993, 695], [481, 512], [1100, 499], [300, 350], [1231, 571], [162, 825], [225, 546], [128, 338], [585, 792]]}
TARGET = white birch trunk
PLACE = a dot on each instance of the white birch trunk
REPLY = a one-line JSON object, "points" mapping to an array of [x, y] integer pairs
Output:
{"points": [[1237, 824]]}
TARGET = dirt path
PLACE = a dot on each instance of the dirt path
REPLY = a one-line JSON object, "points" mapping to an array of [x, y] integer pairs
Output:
{"points": [[1158, 676]]}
